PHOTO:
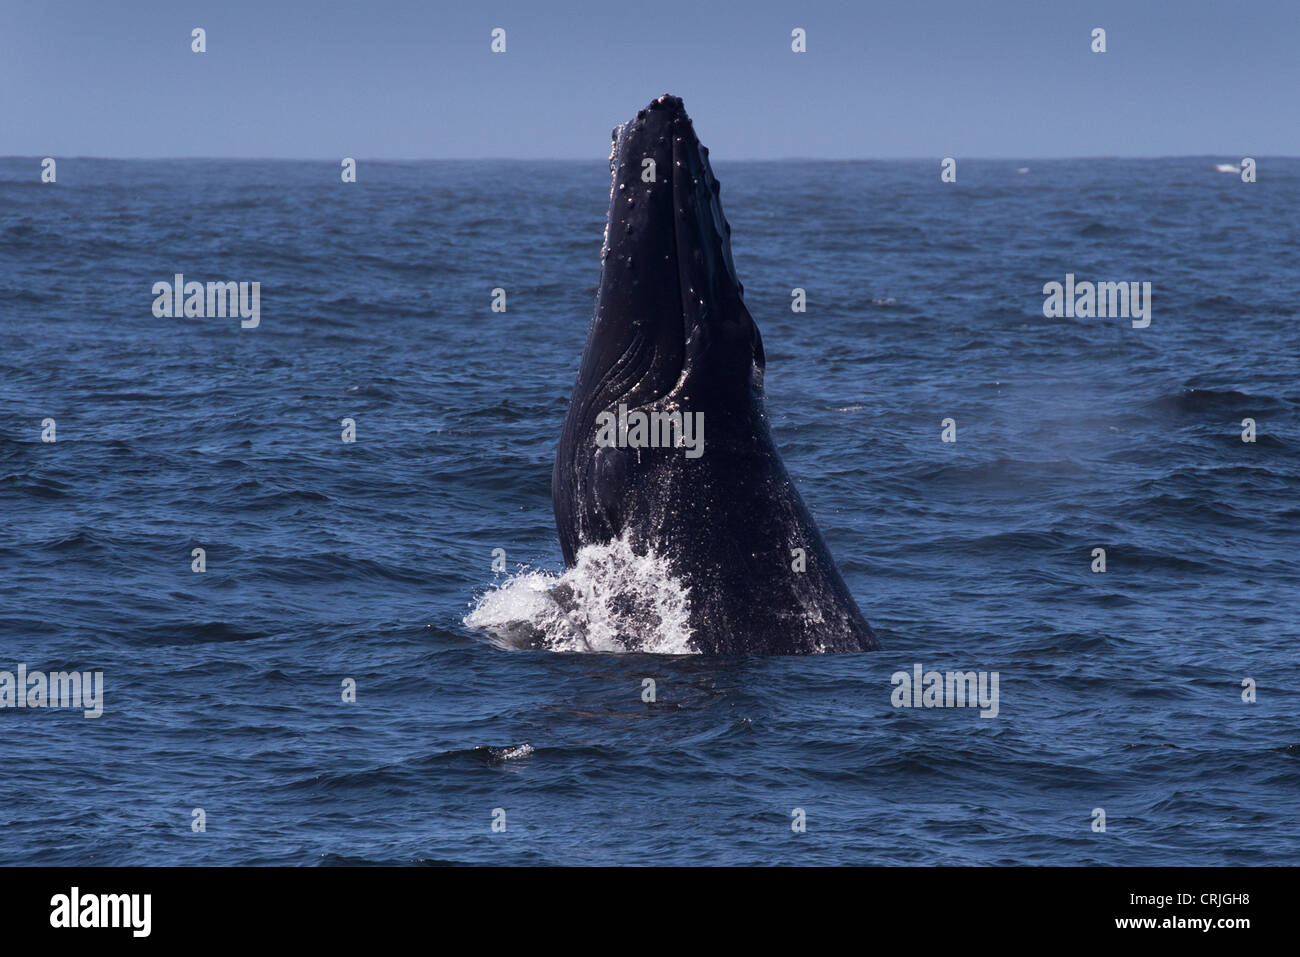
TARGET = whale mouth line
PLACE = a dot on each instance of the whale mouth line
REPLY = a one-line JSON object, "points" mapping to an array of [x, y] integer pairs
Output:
{"points": [[619, 137], [684, 326]]}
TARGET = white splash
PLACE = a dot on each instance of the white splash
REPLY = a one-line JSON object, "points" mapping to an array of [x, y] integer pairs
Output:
{"points": [[509, 754], [613, 601]]}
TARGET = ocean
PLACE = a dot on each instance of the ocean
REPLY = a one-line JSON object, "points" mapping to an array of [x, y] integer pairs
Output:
{"points": [[1160, 692]]}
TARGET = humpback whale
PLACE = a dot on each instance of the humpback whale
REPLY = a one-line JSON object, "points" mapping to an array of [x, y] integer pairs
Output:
{"points": [[666, 442]]}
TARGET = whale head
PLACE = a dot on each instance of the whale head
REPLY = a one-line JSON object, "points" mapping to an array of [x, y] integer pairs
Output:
{"points": [[668, 283], [671, 329]]}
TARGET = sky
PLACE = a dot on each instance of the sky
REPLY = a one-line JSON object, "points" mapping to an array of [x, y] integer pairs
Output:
{"points": [[403, 79]]}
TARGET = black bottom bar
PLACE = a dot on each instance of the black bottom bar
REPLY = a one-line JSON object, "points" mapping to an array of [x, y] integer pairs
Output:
{"points": [[948, 906]]}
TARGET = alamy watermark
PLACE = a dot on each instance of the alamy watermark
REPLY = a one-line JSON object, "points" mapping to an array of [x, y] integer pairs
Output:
{"points": [[129, 911], [1101, 300], [952, 689], [216, 300], [651, 430], [57, 689]]}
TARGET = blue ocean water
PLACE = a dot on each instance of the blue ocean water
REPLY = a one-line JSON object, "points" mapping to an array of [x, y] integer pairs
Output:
{"points": [[328, 561]]}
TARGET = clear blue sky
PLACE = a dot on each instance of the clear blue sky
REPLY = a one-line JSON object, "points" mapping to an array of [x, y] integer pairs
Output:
{"points": [[416, 79]]}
